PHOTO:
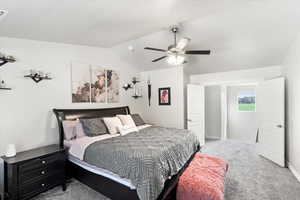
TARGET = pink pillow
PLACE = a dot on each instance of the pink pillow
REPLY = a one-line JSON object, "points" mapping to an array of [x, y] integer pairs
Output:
{"points": [[72, 129], [79, 130]]}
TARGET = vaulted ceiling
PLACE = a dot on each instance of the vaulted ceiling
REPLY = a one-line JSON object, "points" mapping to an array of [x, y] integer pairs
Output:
{"points": [[98, 22], [241, 33]]}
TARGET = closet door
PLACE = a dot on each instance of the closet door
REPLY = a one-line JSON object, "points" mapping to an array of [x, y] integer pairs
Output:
{"points": [[271, 114], [196, 111]]}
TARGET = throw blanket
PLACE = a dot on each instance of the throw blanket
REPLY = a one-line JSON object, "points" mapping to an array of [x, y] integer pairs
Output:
{"points": [[147, 158], [204, 179]]}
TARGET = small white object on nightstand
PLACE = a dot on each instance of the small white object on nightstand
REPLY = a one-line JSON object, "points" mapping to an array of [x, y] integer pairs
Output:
{"points": [[11, 151]]}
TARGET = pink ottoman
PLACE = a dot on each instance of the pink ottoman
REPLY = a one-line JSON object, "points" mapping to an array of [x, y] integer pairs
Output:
{"points": [[204, 179]]}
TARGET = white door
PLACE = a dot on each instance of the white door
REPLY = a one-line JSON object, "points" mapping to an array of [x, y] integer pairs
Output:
{"points": [[271, 115], [195, 111]]}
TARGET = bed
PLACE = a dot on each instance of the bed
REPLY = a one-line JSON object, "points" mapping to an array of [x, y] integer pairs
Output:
{"points": [[104, 180]]}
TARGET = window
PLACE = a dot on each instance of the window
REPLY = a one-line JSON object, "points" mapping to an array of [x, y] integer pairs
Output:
{"points": [[247, 101]]}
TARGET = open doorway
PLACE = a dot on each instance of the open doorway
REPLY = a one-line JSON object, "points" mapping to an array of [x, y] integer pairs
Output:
{"points": [[230, 112], [242, 118]]}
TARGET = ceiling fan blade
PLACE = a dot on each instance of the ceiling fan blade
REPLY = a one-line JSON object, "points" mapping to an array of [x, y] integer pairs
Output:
{"points": [[154, 49], [207, 52], [159, 59], [183, 42]]}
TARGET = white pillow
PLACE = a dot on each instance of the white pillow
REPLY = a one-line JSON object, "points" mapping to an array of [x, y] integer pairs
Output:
{"points": [[124, 130], [126, 120], [112, 124], [72, 129]]}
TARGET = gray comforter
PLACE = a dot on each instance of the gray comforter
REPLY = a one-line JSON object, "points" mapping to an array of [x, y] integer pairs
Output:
{"points": [[147, 158]]}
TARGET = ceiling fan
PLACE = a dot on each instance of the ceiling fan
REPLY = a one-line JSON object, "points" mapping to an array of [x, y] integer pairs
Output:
{"points": [[176, 52]]}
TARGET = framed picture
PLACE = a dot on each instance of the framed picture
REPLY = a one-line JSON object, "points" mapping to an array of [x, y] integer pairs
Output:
{"points": [[98, 85], [81, 84], [113, 85], [164, 96], [94, 84]]}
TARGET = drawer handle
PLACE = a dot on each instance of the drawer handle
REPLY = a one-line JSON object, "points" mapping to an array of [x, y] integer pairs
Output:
{"points": [[43, 162], [42, 172], [43, 185]]}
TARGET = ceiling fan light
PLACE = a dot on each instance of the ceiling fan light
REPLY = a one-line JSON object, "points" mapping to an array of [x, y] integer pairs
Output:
{"points": [[176, 59], [183, 43]]}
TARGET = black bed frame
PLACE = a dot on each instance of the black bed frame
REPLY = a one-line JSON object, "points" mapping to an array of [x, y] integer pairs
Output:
{"points": [[106, 186]]}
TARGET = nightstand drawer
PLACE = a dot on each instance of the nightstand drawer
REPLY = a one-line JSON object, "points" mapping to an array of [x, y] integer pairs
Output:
{"points": [[40, 162], [32, 188], [56, 167]]}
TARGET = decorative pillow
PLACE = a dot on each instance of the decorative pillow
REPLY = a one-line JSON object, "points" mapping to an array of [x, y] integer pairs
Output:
{"points": [[124, 130], [138, 120], [93, 127], [126, 120], [112, 124], [72, 129], [79, 130], [69, 129]]}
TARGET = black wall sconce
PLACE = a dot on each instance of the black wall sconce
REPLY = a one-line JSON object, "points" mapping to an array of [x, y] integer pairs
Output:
{"points": [[38, 76], [6, 59], [133, 85], [149, 90], [3, 85], [127, 86]]}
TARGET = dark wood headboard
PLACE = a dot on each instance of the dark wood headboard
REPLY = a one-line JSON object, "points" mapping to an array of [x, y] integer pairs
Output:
{"points": [[73, 114]]}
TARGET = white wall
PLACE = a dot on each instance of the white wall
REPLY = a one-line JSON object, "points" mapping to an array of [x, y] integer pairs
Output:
{"points": [[237, 77], [169, 116], [213, 122], [241, 125], [291, 69], [26, 118]]}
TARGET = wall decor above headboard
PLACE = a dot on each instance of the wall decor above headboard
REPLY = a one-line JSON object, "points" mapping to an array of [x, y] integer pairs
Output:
{"points": [[3, 85], [94, 84], [136, 91], [38, 76], [6, 59]]}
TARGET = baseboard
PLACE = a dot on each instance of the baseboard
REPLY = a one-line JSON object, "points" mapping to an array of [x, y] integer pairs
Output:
{"points": [[212, 138], [294, 171]]}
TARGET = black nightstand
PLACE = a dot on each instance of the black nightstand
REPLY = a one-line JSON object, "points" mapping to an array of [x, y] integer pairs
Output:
{"points": [[32, 172]]}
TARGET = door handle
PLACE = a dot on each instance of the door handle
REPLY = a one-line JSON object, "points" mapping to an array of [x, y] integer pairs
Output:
{"points": [[189, 120], [279, 126]]}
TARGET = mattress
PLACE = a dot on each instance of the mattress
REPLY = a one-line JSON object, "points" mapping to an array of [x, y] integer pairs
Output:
{"points": [[77, 149], [101, 172]]}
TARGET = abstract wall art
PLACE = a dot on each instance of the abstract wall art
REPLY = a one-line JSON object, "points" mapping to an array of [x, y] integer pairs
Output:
{"points": [[94, 84]]}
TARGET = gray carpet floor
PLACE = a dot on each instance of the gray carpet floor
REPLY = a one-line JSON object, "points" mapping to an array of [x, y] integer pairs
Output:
{"points": [[250, 177]]}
